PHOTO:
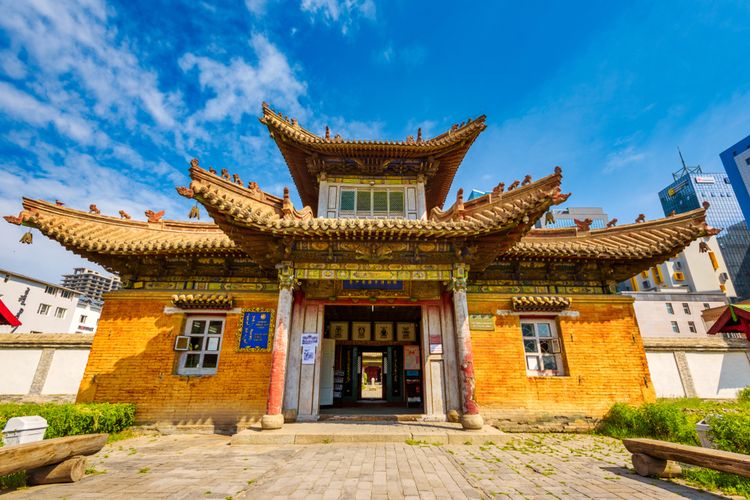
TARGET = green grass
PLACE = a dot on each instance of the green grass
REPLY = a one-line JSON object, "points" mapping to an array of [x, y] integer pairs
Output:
{"points": [[729, 484], [416, 442]]}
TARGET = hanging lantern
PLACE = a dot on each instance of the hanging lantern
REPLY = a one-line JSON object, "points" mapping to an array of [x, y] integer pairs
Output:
{"points": [[195, 213], [27, 238]]}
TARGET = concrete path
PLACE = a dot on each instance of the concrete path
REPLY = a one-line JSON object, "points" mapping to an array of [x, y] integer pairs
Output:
{"points": [[204, 466]]}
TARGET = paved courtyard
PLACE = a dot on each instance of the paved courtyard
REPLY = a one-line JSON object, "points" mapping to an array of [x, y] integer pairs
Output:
{"points": [[207, 466]]}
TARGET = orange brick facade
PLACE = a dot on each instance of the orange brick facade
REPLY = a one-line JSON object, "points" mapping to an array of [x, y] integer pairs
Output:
{"points": [[133, 360], [603, 355]]}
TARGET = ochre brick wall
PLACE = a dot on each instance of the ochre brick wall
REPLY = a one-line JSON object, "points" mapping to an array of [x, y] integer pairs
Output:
{"points": [[133, 360], [603, 352]]}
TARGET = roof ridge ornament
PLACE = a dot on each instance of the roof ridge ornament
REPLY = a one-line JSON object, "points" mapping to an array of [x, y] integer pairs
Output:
{"points": [[124, 215], [612, 222], [93, 209], [154, 217], [641, 219]]}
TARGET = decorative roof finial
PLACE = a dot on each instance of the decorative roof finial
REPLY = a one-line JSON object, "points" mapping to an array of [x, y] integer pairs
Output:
{"points": [[514, 185], [583, 225], [328, 133], [498, 189], [526, 180], [154, 216], [94, 210], [641, 218], [706, 204], [237, 180], [419, 134], [194, 163], [59, 203], [124, 215], [558, 170], [225, 174], [612, 223]]}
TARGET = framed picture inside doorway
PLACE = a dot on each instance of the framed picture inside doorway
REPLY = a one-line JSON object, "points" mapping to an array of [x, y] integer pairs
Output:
{"points": [[384, 332], [340, 330], [406, 332], [361, 330]]}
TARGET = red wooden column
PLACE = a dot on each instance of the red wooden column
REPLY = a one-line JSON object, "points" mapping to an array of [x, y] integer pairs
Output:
{"points": [[274, 419], [471, 419]]}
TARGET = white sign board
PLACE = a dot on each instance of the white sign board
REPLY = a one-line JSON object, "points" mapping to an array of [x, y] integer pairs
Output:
{"points": [[705, 180]]}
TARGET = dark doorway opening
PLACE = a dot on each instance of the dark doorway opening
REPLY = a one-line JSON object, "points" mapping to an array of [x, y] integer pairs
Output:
{"points": [[377, 360]]}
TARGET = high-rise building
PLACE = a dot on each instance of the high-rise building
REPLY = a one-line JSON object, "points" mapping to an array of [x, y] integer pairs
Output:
{"points": [[565, 217], [736, 162], [689, 190], [91, 283]]}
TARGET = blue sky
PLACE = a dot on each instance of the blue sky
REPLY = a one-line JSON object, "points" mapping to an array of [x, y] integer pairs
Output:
{"points": [[106, 102]]}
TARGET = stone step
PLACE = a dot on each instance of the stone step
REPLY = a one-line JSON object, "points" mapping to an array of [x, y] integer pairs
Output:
{"points": [[406, 417], [369, 432]]}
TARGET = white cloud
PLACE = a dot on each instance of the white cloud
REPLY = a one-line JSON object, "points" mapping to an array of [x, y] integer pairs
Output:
{"points": [[73, 38], [257, 7], [26, 108], [623, 158], [239, 86], [344, 13]]}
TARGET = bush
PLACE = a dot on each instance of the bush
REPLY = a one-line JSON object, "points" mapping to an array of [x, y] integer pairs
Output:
{"points": [[660, 420], [72, 419], [743, 396], [730, 432]]}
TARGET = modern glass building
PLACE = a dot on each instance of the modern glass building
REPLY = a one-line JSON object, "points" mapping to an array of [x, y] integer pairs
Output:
{"points": [[565, 217], [691, 187], [736, 162]]}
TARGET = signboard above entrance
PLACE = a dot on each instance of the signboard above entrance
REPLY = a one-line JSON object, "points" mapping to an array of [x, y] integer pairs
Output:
{"points": [[373, 284]]}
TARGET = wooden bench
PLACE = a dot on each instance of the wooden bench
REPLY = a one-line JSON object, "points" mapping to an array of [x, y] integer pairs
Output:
{"points": [[658, 458], [55, 460]]}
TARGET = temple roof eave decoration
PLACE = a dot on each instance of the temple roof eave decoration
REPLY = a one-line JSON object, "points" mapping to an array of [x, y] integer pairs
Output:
{"points": [[487, 225], [106, 240], [308, 154]]}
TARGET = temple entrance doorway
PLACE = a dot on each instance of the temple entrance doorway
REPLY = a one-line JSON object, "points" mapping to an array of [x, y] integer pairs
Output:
{"points": [[375, 365]]}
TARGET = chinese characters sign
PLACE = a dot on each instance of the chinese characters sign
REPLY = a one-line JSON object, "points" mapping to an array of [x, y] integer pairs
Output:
{"points": [[256, 330]]}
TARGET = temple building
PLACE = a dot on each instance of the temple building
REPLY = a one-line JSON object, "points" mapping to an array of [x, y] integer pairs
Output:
{"points": [[372, 295]]}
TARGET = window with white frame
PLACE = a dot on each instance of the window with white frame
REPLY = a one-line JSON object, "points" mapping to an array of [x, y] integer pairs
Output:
{"points": [[542, 347], [60, 312], [66, 294], [204, 335], [670, 309], [43, 309], [50, 290], [371, 203], [691, 327], [675, 327], [686, 308]]}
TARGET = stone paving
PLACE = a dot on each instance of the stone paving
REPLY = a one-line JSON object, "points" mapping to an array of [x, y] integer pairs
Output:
{"points": [[207, 466]]}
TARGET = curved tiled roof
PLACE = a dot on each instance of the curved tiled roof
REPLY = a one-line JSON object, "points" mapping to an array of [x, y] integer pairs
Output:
{"points": [[233, 206], [87, 234], [647, 240], [299, 146]]}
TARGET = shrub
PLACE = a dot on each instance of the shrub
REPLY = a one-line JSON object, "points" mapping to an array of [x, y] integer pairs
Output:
{"points": [[660, 420], [72, 419], [731, 432], [743, 396]]}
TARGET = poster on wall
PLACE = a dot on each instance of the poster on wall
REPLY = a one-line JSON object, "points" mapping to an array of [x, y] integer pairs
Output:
{"points": [[308, 354], [411, 357], [256, 330], [309, 339]]}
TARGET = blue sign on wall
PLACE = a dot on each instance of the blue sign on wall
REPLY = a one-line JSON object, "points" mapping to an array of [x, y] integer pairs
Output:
{"points": [[373, 285], [255, 331]]}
